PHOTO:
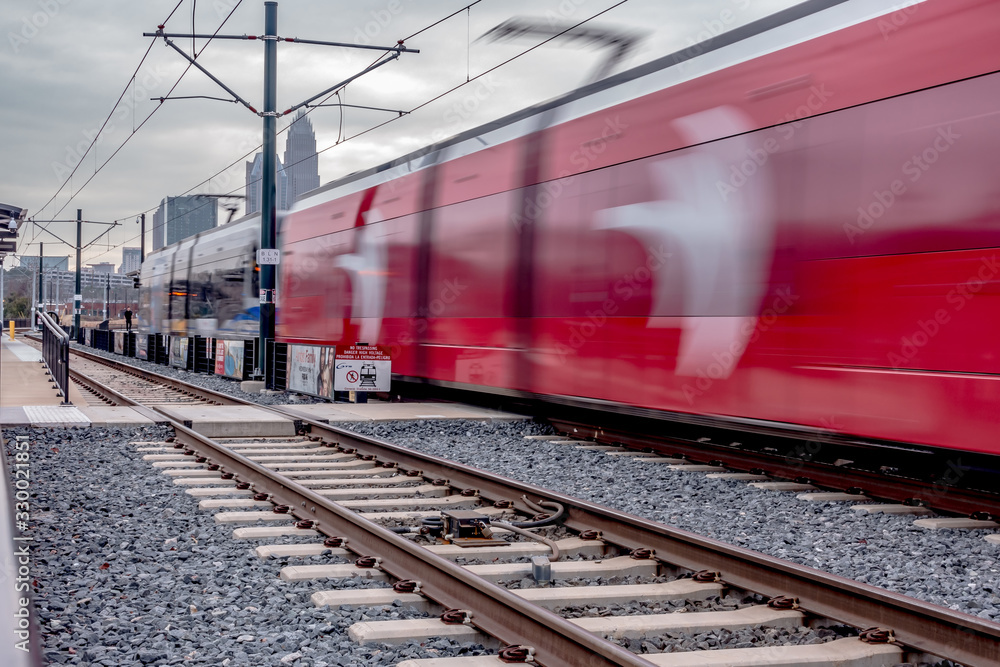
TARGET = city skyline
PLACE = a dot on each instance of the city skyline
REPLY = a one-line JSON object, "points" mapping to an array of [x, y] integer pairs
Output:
{"points": [[295, 175], [253, 191], [201, 145]]}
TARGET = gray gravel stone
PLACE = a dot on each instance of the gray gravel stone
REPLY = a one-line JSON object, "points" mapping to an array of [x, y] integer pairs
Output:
{"points": [[117, 576], [956, 569]]}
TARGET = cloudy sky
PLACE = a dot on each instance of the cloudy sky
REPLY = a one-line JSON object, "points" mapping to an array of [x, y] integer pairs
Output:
{"points": [[65, 63]]}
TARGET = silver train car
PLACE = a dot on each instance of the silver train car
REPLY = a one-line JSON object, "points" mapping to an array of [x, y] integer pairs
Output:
{"points": [[205, 285]]}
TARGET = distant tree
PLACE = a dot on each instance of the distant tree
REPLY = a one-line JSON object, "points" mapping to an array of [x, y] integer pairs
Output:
{"points": [[16, 306]]}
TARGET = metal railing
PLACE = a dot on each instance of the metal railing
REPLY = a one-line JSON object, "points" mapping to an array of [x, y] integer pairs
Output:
{"points": [[55, 352]]}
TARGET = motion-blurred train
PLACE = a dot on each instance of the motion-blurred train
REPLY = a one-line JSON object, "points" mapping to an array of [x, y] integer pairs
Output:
{"points": [[794, 224]]}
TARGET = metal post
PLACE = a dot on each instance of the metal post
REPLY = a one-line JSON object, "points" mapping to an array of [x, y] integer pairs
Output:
{"points": [[77, 295], [142, 238], [268, 231], [107, 298], [41, 282]]}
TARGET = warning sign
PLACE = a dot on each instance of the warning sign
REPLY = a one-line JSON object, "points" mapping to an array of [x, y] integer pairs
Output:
{"points": [[362, 368]]}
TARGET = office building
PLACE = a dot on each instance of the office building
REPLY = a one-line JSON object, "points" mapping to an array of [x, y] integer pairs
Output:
{"points": [[181, 217], [296, 175], [130, 260], [159, 228], [301, 161], [254, 185]]}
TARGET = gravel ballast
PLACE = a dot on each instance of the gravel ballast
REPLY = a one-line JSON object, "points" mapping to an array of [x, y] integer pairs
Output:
{"points": [[953, 568], [130, 572]]}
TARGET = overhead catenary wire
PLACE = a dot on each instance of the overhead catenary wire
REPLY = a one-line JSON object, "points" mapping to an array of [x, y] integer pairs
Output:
{"points": [[108, 119], [396, 118], [340, 89], [134, 131]]}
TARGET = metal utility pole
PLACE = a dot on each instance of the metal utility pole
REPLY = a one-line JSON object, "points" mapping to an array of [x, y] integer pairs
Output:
{"points": [[142, 238], [267, 256], [41, 282], [107, 298], [77, 295], [268, 207]]}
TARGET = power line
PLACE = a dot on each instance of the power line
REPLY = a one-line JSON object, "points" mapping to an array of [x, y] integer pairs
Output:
{"points": [[396, 118], [309, 111], [108, 119], [134, 130]]}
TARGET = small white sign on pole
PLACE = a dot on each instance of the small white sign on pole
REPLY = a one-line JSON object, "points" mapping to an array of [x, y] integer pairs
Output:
{"points": [[362, 368], [268, 256]]}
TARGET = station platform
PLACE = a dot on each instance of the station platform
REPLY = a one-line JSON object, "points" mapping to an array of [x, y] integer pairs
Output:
{"points": [[28, 398]]}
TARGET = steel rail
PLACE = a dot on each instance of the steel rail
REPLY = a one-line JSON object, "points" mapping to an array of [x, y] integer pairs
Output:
{"points": [[937, 495], [493, 610], [923, 626], [203, 393], [927, 627]]}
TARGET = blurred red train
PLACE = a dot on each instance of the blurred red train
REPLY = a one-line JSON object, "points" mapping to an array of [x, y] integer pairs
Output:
{"points": [[793, 224]]}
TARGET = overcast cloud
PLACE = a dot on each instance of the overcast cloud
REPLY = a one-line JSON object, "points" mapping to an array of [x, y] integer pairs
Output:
{"points": [[63, 64]]}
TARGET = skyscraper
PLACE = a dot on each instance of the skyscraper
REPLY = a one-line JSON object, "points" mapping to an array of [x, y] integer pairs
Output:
{"points": [[181, 217], [130, 260], [301, 161], [254, 186], [298, 174], [159, 226]]}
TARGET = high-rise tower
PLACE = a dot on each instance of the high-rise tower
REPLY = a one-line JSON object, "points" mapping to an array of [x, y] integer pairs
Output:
{"points": [[254, 185], [301, 161]]}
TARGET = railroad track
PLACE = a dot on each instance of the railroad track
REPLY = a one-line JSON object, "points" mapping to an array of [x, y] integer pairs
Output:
{"points": [[335, 485], [128, 382]]}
